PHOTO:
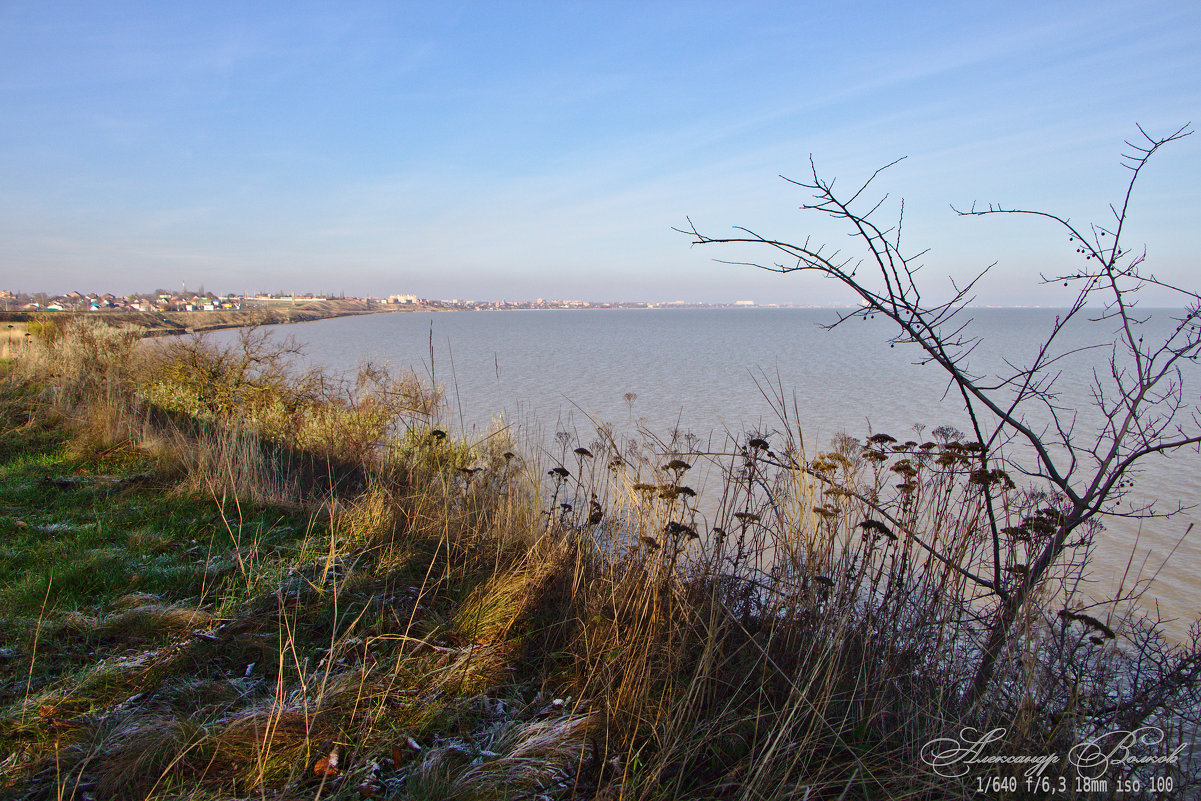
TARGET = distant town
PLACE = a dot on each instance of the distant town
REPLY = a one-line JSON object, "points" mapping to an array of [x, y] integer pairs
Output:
{"points": [[161, 300]]}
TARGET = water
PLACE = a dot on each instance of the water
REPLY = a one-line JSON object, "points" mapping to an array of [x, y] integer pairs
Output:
{"points": [[712, 371]]}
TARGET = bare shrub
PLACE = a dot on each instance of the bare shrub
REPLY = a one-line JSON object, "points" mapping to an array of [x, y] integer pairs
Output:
{"points": [[1003, 564]]}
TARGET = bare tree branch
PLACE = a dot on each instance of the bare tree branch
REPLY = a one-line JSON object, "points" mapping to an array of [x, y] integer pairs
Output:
{"points": [[1140, 400]]}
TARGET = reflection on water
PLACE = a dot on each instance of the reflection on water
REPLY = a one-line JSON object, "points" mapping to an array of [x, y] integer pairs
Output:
{"points": [[719, 372]]}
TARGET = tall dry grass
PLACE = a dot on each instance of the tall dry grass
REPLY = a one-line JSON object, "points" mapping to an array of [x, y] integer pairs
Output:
{"points": [[468, 621]]}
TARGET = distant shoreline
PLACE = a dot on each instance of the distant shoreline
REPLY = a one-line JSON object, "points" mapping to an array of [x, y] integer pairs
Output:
{"points": [[167, 323]]}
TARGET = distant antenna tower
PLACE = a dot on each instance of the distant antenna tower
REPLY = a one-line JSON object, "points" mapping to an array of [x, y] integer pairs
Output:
{"points": [[183, 287]]}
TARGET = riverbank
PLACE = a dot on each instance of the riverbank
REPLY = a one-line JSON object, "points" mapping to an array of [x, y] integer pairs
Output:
{"points": [[223, 580]]}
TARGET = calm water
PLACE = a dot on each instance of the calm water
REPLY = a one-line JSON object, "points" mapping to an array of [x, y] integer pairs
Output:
{"points": [[705, 371]]}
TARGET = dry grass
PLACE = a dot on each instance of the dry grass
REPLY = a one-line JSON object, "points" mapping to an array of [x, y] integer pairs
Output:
{"points": [[460, 624]]}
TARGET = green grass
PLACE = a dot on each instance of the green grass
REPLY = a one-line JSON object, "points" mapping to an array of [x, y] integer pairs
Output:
{"points": [[81, 531], [99, 554]]}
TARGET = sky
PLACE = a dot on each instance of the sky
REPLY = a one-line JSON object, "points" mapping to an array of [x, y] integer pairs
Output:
{"points": [[514, 150]]}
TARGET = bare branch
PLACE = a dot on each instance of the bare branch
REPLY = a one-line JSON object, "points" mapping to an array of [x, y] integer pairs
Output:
{"points": [[1141, 402]]}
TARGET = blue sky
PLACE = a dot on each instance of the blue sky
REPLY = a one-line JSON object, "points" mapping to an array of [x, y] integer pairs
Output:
{"points": [[518, 150]]}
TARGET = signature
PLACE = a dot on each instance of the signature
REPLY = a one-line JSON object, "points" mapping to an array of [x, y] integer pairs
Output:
{"points": [[952, 757]]}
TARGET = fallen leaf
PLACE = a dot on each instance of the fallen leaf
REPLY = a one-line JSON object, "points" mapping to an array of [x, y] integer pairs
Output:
{"points": [[327, 765]]}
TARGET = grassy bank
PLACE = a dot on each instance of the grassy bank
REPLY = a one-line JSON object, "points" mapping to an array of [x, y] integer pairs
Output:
{"points": [[222, 579]]}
